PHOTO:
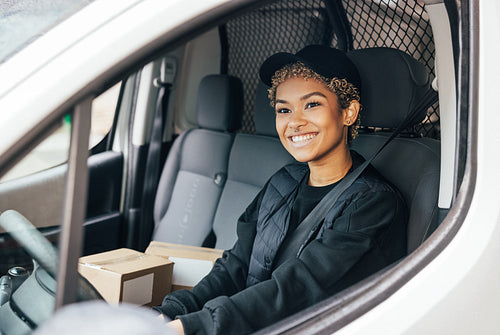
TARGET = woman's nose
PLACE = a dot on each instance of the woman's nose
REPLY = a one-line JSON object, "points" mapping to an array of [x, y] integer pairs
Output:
{"points": [[296, 119]]}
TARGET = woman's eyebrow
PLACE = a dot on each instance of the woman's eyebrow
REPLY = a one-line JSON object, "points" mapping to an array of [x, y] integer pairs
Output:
{"points": [[304, 97], [307, 96]]}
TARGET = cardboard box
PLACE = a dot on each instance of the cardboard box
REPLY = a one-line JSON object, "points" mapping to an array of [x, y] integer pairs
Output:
{"points": [[191, 264], [126, 275]]}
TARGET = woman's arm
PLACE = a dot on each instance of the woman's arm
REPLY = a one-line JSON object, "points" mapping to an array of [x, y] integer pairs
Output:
{"points": [[338, 259], [228, 275]]}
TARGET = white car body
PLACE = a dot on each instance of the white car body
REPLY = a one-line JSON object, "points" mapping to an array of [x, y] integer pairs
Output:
{"points": [[456, 292]]}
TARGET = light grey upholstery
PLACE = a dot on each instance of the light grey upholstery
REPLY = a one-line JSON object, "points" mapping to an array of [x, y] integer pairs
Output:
{"points": [[253, 160], [193, 177], [393, 84]]}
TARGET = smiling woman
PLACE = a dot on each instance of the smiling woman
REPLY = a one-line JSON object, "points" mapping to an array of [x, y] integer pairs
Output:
{"points": [[286, 258]]}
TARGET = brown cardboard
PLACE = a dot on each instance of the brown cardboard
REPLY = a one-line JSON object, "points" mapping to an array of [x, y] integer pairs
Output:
{"points": [[126, 275], [191, 264]]}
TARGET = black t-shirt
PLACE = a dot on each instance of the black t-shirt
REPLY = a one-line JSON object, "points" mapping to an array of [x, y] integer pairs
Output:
{"points": [[307, 198]]}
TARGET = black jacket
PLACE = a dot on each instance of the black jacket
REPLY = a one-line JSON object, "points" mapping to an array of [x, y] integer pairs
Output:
{"points": [[261, 280]]}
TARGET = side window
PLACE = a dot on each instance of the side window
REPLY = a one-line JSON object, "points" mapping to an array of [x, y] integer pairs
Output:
{"points": [[103, 113], [38, 197], [53, 150]]}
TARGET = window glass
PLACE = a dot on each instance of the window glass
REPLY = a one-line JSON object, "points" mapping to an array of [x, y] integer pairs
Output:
{"points": [[38, 197], [31, 210], [103, 113], [53, 150]]}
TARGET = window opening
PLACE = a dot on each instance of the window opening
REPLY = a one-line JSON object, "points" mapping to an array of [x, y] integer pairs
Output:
{"points": [[53, 151]]}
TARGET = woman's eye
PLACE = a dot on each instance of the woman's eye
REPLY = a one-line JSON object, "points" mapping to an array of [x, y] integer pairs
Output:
{"points": [[282, 110], [312, 104]]}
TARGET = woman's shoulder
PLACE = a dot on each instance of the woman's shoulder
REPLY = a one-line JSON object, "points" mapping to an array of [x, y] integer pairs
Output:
{"points": [[371, 180], [293, 172]]}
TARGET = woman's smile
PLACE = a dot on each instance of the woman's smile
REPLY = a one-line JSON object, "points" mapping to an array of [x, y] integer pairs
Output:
{"points": [[302, 139]]}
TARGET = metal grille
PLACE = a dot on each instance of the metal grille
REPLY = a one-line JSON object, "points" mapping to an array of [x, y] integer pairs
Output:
{"points": [[290, 25], [399, 24], [284, 26]]}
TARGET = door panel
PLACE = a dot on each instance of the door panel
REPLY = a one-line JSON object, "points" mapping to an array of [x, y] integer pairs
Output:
{"points": [[39, 198], [103, 221]]}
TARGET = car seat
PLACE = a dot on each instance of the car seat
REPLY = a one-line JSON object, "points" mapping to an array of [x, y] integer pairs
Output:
{"points": [[253, 160], [393, 84], [195, 171]]}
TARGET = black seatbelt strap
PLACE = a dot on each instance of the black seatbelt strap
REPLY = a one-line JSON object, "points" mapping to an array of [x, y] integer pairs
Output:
{"points": [[313, 222], [153, 159]]}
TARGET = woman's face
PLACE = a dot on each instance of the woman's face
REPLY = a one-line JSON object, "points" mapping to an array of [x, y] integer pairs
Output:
{"points": [[309, 121]]}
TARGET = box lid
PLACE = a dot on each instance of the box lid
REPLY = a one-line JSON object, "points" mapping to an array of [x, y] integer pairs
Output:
{"points": [[184, 251], [122, 261]]}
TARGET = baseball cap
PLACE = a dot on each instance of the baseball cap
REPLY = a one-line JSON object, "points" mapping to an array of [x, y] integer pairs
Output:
{"points": [[326, 61]]}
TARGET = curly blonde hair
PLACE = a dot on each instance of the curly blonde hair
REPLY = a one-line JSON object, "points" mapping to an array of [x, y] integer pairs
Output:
{"points": [[345, 91]]}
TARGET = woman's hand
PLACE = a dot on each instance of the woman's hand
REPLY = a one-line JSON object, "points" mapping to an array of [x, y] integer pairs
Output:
{"points": [[177, 325]]}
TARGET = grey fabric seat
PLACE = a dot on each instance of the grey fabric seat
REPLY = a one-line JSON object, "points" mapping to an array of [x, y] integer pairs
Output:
{"points": [[253, 160], [393, 84], [193, 177]]}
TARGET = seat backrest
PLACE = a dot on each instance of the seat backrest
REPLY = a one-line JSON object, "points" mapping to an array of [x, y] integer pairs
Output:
{"points": [[194, 173], [393, 83], [254, 158]]}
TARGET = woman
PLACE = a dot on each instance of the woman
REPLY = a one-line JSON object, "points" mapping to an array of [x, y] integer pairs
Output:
{"points": [[278, 265]]}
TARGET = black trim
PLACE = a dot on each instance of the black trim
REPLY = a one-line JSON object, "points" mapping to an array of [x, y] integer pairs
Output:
{"points": [[133, 176], [224, 49], [152, 169], [452, 9], [19, 312], [110, 137], [463, 95], [340, 24]]}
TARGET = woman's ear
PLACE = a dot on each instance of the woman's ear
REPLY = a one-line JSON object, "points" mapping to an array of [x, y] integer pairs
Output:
{"points": [[351, 113]]}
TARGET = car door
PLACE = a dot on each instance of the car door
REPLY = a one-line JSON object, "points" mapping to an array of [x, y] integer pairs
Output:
{"points": [[35, 186]]}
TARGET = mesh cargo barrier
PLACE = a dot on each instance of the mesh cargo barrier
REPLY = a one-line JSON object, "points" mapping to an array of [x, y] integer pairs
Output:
{"points": [[403, 25], [291, 25]]}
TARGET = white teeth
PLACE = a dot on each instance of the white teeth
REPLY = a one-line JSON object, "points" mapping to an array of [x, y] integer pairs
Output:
{"points": [[301, 138]]}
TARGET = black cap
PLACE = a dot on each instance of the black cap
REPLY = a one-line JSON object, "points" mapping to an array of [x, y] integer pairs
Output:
{"points": [[326, 61]]}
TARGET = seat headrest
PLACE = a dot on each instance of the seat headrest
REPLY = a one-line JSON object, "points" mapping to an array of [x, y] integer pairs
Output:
{"points": [[264, 117], [220, 103], [392, 85]]}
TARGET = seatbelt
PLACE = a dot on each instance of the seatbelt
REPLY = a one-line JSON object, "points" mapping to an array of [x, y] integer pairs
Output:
{"points": [[319, 212], [153, 160]]}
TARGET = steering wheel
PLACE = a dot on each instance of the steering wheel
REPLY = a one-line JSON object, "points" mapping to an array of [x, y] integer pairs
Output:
{"points": [[46, 255]]}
